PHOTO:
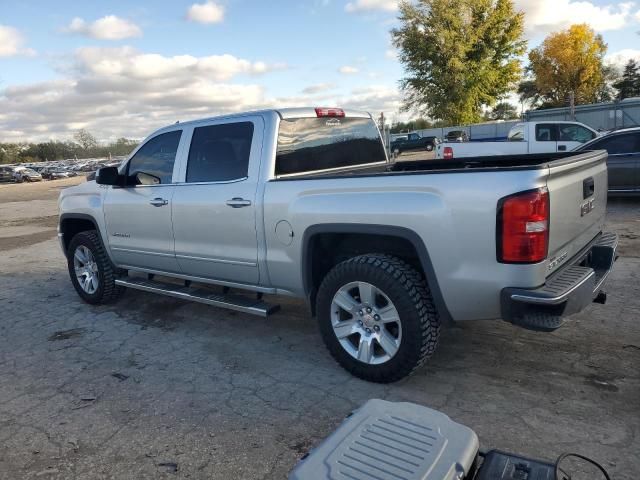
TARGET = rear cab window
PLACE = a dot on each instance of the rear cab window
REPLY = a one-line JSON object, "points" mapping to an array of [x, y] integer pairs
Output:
{"points": [[317, 144]]}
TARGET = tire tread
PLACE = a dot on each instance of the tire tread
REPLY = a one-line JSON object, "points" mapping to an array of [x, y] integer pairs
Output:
{"points": [[422, 302]]}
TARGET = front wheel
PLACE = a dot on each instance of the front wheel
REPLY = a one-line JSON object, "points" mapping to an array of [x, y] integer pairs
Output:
{"points": [[377, 317], [92, 273]]}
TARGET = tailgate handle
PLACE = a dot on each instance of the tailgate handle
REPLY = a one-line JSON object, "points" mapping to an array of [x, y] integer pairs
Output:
{"points": [[562, 148], [588, 187]]}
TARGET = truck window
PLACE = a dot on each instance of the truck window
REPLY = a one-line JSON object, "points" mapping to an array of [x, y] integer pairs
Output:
{"points": [[575, 133], [545, 132], [413, 136], [516, 134], [312, 144], [220, 153], [155, 158], [618, 144]]}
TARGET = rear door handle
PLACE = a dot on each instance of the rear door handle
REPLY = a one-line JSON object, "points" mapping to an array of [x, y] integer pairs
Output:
{"points": [[562, 148], [158, 202], [237, 202]]}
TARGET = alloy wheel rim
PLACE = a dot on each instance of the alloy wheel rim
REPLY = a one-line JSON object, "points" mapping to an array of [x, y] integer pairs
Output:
{"points": [[366, 323], [86, 269]]}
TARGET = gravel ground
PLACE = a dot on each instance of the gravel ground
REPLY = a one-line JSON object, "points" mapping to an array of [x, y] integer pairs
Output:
{"points": [[153, 387]]}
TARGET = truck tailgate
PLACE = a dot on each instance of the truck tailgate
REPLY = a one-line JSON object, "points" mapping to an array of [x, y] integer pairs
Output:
{"points": [[578, 200]]}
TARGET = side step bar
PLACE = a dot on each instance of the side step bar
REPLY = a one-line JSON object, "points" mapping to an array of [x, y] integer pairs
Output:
{"points": [[239, 303]]}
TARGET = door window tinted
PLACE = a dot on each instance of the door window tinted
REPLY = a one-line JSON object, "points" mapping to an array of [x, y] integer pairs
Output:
{"points": [[575, 133], [545, 133], [153, 163], [311, 144], [220, 152], [617, 144]]}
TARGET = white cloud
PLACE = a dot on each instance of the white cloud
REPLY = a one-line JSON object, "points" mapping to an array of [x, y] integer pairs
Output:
{"points": [[11, 42], [318, 88], [126, 62], [348, 70], [637, 15], [369, 5], [544, 16], [620, 58], [116, 92], [123, 92], [105, 28], [208, 12]]}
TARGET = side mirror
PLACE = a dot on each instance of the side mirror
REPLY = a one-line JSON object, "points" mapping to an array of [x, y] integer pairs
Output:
{"points": [[107, 176]]}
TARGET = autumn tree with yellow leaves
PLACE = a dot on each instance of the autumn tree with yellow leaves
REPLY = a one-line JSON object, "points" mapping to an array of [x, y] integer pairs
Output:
{"points": [[570, 62]]}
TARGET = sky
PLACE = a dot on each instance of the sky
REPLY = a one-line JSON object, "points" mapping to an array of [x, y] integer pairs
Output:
{"points": [[125, 68]]}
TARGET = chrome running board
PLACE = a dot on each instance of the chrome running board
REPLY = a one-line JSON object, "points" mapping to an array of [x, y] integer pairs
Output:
{"points": [[238, 303]]}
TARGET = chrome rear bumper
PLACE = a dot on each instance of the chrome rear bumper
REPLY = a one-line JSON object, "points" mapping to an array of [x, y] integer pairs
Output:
{"points": [[566, 292]]}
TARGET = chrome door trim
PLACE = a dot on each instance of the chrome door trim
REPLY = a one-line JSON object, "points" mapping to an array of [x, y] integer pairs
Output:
{"points": [[217, 260], [221, 182], [144, 252]]}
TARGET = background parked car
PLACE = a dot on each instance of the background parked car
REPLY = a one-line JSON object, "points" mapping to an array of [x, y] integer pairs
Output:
{"points": [[26, 175], [56, 173], [413, 141], [6, 174], [457, 136], [623, 147]]}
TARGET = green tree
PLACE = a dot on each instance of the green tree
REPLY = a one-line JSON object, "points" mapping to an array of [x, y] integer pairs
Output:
{"points": [[419, 124], [458, 55], [503, 111], [570, 62], [528, 92], [629, 84]]}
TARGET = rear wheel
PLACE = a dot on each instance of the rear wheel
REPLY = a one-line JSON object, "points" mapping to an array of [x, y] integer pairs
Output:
{"points": [[377, 317], [429, 147], [92, 273]]}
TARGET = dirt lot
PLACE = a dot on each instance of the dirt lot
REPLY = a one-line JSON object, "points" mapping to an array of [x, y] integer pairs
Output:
{"points": [[157, 388]]}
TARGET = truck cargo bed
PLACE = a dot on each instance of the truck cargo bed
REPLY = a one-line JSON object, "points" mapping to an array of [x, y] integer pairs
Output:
{"points": [[493, 162]]}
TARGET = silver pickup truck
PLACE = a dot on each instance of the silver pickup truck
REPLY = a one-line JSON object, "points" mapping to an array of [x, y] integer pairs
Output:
{"points": [[304, 202]]}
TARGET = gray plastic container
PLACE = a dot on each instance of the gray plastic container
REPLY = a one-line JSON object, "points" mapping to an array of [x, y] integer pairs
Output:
{"points": [[392, 441]]}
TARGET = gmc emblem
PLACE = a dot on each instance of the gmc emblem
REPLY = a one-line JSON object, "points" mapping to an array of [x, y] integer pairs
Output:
{"points": [[586, 207]]}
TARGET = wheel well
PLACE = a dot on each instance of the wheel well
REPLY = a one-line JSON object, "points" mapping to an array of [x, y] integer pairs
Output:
{"points": [[325, 250], [70, 227]]}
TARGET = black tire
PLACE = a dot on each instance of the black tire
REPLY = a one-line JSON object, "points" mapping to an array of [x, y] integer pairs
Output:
{"points": [[412, 299], [107, 291]]}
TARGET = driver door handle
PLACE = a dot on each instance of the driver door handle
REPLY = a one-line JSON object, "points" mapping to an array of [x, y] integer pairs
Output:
{"points": [[237, 202], [158, 202]]}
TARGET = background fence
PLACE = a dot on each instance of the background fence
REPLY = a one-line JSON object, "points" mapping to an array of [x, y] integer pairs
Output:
{"points": [[599, 116]]}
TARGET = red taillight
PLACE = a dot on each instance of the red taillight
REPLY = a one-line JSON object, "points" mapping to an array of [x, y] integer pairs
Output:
{"points": [[329, 112], [447, 153], [523, 227]]}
